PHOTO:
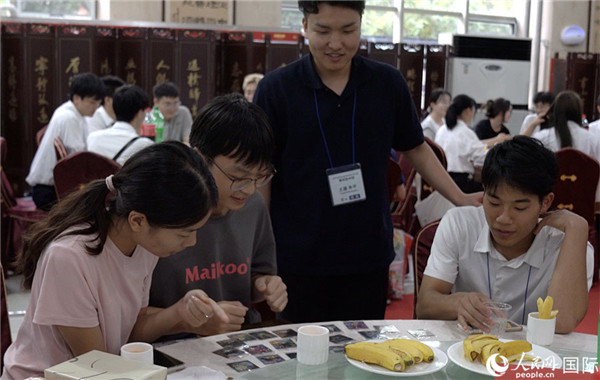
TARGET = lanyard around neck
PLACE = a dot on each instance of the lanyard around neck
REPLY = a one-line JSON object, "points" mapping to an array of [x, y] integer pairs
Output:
{"points": [[526, 287], [323, 132]]}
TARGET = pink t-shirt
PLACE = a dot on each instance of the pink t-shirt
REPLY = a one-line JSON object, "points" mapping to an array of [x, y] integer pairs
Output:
{"points": [[73, 288]]}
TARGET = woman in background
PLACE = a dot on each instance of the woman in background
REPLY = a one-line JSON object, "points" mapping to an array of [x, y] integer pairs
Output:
{"points": [[249, 85], [497, 113], [89, 263], [439, 101]]}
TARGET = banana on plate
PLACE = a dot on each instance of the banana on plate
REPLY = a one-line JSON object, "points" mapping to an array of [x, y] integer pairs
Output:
{"points": [[393, 354]]}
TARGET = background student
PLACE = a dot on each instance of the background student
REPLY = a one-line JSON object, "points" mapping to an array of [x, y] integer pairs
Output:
{"points": [[178, 118], [542, 100], [249, 85], [89, 268], [439, 101], [233, 259], [105, 116], [497, 112]]}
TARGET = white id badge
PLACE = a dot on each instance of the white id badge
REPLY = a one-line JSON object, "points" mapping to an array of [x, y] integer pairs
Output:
{"points": [[346, 184]]}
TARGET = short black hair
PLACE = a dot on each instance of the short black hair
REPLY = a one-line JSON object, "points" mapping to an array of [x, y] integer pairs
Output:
{"points": [[111, 83], [459, 104], [312, 7], [543, 97], [231, 126], [436, 94], [523, 163], [87, 85], [168, 89], [128, 100]]}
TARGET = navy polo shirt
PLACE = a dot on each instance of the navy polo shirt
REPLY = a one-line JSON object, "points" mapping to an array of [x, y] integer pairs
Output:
{"points": [[313, 237]]}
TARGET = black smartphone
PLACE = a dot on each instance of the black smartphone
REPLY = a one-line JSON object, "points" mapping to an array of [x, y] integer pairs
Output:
{"points": [[164, 360]]}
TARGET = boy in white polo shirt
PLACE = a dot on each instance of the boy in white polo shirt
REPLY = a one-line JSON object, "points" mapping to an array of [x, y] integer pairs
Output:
{"points": [[503, 251]]}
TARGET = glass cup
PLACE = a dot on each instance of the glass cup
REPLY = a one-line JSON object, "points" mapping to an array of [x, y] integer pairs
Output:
{"points": [[142, 352], [499, 316], [313, 345], [540, 331]]}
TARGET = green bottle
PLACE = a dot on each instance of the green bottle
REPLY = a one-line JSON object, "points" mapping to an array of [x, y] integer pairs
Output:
{"points": [[160, 124]]}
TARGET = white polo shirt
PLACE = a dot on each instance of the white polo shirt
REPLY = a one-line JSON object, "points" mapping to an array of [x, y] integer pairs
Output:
{"points": [[108, 142], [461, 249], [528, 120], [66, 123], [463, 148], [583, 140], [101, 120]]}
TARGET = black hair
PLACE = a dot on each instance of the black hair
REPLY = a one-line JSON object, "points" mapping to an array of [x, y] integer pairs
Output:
{"points": [[169, 183], [111, 84], [495, 107], [566, 107], [128, 101], [167, 89], [87, 85], [543, 97], [312, 7], [231, 126], [458, 105], [523, 163], [436, 94]]}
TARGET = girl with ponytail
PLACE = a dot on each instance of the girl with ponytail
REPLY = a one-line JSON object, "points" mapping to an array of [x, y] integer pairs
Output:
{"points": [[89, 263]]}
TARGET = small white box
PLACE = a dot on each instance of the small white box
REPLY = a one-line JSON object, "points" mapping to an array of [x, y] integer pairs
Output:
{"points": [[103, 366]]}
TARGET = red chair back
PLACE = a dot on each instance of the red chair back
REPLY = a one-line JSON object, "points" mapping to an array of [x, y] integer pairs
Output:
{"points": [[5, 336], [575, 188], [426, 188], [59, 149], [75, 171], [422, 249]]}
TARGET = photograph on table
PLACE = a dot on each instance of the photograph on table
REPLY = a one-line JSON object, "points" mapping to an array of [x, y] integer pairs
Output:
{"points": [[287, 333], [281, 344], [355, 325], [229, 352], [230, 343], [270, 359], [242, 336], [258, 349], [339, 339], [260, 335], [332, 328], [243, 366], [370, 334]]}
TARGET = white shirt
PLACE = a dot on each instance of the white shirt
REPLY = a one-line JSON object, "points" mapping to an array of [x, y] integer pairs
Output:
{"points": [[460, 252], [430, 127], [583, 140], [528, 120], [462, 147], [70, 126], [101, 120], [108, 142], [594, 127]]}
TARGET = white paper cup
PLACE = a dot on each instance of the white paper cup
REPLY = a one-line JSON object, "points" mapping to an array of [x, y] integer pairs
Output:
{"points": [[540, 331], [142, 352], [499, 315], [313, 345]]}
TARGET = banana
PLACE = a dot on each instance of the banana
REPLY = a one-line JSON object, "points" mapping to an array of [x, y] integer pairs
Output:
{"points": [[416, 354], [540, 305], [426, 351], [547, 308], [472, 345], [488, 350], [405, 355], [375, 353], [515, 347], [553, 313]]}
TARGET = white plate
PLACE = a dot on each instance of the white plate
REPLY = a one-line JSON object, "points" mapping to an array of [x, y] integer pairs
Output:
{"points": [[439, 361], [457, 355]]}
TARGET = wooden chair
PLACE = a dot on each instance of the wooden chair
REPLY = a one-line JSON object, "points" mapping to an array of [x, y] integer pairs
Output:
{"points": [[59, 149], [575, 190], [421, 250], [75, 171], [17, 215]]}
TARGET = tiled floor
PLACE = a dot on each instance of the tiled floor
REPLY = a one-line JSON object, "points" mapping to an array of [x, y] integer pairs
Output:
{"points": [[17, 300]]}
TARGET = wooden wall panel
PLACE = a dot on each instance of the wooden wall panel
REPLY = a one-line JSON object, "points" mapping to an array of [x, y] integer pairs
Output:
{"points": [[411, 66], [162, 57], [74, 46], [384, 52], [104, 54], [436, 57], [132, 65], [282, 49], [581, 78]]}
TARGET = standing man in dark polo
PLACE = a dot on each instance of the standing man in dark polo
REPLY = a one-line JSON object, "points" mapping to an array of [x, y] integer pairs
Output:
{"points": [[336, 116]]}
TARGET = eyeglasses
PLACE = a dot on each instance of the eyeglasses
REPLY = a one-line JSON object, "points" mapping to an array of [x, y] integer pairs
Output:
{"points": [[242, 183]]}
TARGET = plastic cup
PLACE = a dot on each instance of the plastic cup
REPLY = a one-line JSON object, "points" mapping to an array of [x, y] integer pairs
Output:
{"points": [[142, 352], [499, 316], [540, 331], [313, 345]]}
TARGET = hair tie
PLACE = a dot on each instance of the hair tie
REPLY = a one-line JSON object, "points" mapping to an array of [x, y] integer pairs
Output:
{"points": [[109, 184]]}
